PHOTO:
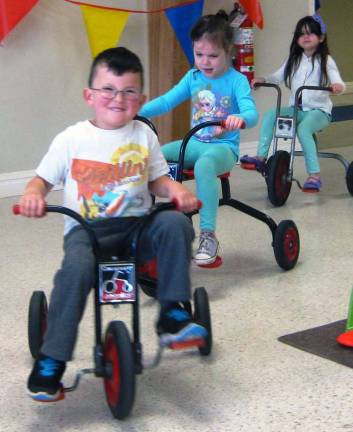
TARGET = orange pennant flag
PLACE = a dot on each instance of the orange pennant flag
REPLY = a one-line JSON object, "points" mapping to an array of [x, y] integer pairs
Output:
{"points": [[11, 13], [253, 10]]}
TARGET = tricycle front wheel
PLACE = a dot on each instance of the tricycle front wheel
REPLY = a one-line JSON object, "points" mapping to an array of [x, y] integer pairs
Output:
{"points": [[37, 321], [203, 317], [278, 183], [119, 382]]}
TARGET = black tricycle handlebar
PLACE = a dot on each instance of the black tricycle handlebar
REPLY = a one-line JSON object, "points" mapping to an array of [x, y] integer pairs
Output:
{"points": [[87, 226]]}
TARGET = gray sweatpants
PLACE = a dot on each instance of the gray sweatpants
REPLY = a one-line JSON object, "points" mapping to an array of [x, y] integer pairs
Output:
{"points": [[167, 238]]}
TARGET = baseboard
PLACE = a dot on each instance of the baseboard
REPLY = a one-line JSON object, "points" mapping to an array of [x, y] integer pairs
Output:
{"points": [[14, 183]]}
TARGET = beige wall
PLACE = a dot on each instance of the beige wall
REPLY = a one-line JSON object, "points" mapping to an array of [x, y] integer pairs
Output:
{"points": [[43, 67], [44, 63]]}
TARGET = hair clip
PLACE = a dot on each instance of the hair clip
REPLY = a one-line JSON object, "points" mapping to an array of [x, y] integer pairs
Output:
{"points": [[319, 20]]}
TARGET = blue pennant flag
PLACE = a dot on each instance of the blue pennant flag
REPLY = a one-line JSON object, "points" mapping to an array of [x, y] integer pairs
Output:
{"points": [[182, 18]]}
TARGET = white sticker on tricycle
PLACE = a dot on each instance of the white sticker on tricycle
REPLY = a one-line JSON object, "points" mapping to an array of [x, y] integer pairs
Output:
{"points": [[117, 283]]}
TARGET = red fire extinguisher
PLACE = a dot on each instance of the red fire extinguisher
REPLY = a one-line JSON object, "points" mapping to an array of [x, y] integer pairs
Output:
{"points": [[243, 60]]}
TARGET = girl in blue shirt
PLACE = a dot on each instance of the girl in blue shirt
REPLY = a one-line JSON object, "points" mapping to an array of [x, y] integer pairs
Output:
{"points": [[217, 92]]}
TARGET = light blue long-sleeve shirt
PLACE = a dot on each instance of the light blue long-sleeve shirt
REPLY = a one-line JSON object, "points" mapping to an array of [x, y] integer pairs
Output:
{"points": [[211, 99]]}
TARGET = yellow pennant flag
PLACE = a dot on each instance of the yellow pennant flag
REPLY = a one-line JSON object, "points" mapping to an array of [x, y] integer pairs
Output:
{"points": [[104, 27]]}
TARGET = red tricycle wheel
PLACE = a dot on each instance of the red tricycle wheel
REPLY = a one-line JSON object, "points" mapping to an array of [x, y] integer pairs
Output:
{"points": [[119, 384], [286, 244]]}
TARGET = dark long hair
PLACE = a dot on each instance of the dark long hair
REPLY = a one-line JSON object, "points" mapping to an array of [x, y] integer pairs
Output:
{"points": [[310, 25]]}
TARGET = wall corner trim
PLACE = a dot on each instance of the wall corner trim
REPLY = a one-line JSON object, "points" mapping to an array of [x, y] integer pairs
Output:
{"points": [[14, 183]]}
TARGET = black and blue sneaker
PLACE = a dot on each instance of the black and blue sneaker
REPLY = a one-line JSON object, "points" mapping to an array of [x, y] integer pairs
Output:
{"points": [[44, 381], [177, 330]]}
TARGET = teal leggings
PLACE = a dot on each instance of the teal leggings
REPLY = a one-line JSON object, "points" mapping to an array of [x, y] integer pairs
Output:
{"points": [[208, 160], [309, 122]]}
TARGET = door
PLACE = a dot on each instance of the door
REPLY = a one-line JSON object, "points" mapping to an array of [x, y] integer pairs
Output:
{"points": [[168, 64], [338, 17]]}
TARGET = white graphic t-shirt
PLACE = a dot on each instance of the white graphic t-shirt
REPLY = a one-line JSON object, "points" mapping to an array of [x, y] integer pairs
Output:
{"points": [[105, 173]]}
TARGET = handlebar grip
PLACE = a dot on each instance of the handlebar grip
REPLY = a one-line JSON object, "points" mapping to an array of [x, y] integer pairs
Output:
{"points": [[263, 84], [175, 202], [223, 124], [16, 209]]}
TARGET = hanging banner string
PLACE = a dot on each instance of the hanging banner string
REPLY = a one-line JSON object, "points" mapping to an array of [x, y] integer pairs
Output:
{"points": [[105, 24], [131, 10]]}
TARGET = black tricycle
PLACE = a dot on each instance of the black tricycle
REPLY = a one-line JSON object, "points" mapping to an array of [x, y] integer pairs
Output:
{"points": [[117, 358], [285, 235], [278, 170]]}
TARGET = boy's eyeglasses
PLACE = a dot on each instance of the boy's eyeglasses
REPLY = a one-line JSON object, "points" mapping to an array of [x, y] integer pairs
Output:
{"points": [[110, 93]]}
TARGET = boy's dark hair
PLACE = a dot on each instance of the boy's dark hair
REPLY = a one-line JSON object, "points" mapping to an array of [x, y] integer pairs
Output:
{"points": [[309, 24], [216, 28], [118, 60]]}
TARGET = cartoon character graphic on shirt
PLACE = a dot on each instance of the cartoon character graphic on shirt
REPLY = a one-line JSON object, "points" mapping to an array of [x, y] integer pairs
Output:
{"points": [[115, 201], [111, 189], [207, 107]]}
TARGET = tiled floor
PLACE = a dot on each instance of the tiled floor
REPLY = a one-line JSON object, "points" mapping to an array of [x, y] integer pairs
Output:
{"points": [[251, 382]]}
